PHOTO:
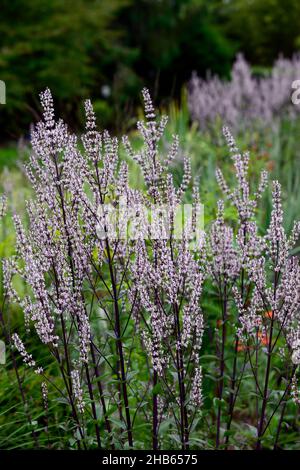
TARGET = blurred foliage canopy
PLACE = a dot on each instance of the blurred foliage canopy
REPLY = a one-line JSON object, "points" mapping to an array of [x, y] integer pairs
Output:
{"points": [[59, 44], [263, 29]]}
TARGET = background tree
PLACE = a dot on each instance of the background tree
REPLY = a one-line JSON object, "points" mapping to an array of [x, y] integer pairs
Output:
{"points": [[57, 44], [263, 29]]}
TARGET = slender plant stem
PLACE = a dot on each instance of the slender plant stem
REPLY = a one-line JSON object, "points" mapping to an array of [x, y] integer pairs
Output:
{"points": [[94, 412], [182, 394], [155, 413], [101, 395], [222, 365], [120, 347]]}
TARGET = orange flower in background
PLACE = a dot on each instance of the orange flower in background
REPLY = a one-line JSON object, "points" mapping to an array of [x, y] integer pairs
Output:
{"points": [[269, 315], [263, 337], [241, 347]]}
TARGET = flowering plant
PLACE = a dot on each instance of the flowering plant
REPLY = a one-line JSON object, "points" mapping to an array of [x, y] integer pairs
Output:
{"points": [[245, 101], [124, 322]]}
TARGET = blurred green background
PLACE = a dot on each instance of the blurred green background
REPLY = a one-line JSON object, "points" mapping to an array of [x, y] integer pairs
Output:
{"points": [[109, 49]]}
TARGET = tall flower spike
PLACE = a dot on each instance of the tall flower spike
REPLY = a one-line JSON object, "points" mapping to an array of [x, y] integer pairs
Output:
{"points": [[196, 392], [240, 196], [276, 237], [48, 108], [3, 206], [77, 390], [19, 345], [149, 108], [224, 259], [92, 138]]}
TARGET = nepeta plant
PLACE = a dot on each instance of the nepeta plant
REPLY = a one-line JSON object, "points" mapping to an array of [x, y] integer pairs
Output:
{"points": [[167, 278], [117, 322], [76, 279], [262, 277], [270, 319], [245, 101]]}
